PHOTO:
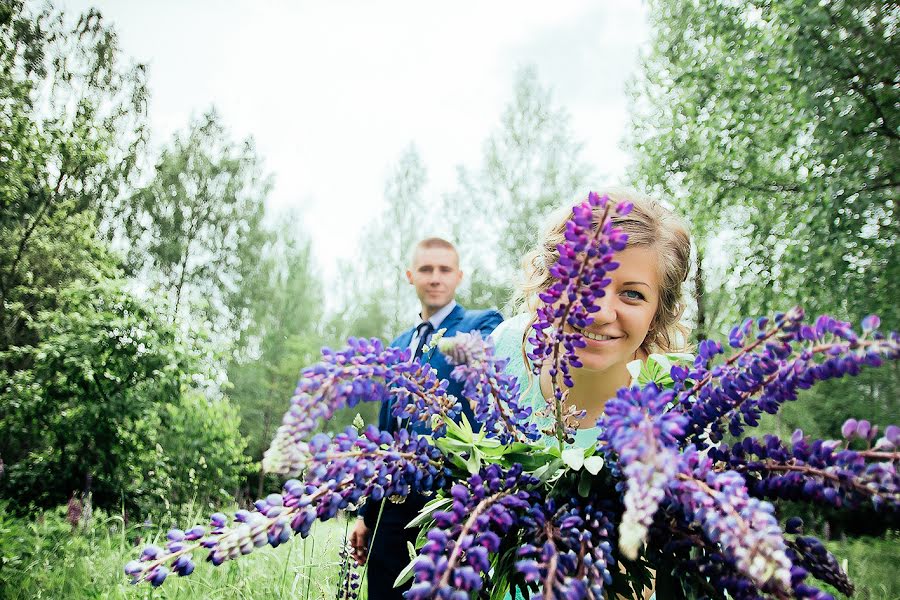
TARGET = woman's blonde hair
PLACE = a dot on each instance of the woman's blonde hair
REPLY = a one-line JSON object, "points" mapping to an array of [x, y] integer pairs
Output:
{"points": [[649, 224]]}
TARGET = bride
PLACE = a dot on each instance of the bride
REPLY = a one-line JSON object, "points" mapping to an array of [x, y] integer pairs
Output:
{"points": [[639, 314]]}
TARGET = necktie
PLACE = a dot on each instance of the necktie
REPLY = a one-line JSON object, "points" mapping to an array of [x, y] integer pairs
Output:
{"points": [[424, 331]]}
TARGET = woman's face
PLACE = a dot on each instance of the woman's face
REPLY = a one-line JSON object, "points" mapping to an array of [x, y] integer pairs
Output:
{"points": [[626, 312]]}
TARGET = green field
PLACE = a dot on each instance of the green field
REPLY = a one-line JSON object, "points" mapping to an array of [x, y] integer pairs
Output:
{"points": [[46, 559]]}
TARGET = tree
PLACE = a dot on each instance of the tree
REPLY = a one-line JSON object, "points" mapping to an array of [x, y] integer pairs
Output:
{"points": [[382, 306], [779, 121], [195, 229], [83, 415], [529, 165], [284, 298], [773, 127], [97, 393], [71, 129]]}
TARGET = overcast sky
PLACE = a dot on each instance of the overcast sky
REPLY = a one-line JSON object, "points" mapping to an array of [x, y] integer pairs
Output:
{"points": [[334, 91]]}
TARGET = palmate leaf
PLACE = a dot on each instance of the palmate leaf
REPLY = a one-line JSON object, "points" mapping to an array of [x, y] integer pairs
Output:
{"points": [[656, 368]]}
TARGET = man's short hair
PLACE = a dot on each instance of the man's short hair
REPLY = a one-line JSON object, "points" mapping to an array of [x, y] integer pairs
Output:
{"points": [[433, 242]]}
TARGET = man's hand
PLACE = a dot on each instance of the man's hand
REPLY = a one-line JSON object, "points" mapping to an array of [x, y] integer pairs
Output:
{"points": [[359, 542]]}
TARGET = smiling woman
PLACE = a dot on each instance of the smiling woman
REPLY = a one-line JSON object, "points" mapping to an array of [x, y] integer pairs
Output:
{"points": [[639, 313]]}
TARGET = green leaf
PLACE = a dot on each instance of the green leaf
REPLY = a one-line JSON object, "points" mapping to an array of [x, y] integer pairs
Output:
{"points": [[358, 422], [548, 471], [529, 461], [429, 509], [407, 573], [584, 484], [473, 463], [498, 450]]}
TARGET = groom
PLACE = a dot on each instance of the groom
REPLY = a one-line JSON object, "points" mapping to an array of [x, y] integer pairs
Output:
{"points": [[435, 275]]}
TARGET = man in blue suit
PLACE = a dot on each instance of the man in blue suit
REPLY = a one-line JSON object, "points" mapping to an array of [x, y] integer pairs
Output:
{"points": [[435, 274]]}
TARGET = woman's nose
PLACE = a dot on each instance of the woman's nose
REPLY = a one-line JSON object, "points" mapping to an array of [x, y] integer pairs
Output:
{"points": [[607, 312]]}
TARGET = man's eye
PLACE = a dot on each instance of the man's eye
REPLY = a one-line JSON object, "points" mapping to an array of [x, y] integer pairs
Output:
{"points": [[633, 295]]}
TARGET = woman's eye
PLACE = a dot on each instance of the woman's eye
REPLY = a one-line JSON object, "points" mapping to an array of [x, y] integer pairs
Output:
{"points": [[633, 295]]}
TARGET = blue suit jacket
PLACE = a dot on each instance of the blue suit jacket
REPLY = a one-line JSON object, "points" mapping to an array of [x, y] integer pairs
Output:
{"points": [[459, 320]]}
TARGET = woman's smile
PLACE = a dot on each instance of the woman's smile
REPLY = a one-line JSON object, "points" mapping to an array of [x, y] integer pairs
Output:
{"points": [[597, 338]]}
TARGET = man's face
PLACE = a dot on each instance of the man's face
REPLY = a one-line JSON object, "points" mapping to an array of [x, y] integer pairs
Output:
{"points": [[435, 274]]}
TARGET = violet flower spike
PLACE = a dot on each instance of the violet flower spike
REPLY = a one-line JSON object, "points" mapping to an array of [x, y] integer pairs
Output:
{"points": [[341, 472], [456, 555], [366, 371], [493, 393], [635, 427], [769, 370], [580, 272], [744, 527], [567, 549]]}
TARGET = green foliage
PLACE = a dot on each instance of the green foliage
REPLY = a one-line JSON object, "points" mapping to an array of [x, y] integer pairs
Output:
{"points": [[773, 128], [71, 127], [104, 408], [202, 451], [102, 364], [529, 165], [95, 385], [778, 121], [195, 229], [871, 565], [382, 305]]}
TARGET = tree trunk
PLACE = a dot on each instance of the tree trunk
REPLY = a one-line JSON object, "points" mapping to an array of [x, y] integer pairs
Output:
{"points": [[700, 297]]}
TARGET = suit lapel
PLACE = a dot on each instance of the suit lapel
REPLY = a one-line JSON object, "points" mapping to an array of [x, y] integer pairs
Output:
{"points": [[452, 321], [403, 339]]}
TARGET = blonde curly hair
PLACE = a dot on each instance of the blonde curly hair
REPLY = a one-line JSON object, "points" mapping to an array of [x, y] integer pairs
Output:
{"points": [[649, 224]]}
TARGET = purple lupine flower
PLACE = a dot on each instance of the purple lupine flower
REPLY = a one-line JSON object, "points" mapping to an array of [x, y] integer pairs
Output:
{"points": [[567, 550], [744, 527], [349, 580], [366, 371], [871, 323], [809, 553], [643, 437], [848, 430], [341, 472], [493, 393], [455, 557], [817, 471], [568, 304], [770, 369]]}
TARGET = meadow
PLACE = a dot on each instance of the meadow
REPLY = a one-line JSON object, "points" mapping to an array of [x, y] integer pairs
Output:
{"points": [[47, 559]]}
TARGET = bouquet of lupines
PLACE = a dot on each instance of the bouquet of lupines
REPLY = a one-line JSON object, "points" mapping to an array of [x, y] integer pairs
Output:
{"points": [[663, 499]]}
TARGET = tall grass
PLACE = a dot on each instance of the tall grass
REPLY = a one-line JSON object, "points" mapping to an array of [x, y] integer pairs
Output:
{"points": [[45, 558]]}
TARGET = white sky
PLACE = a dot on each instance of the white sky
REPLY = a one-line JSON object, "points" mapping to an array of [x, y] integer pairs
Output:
{"points": [[334, 91]]}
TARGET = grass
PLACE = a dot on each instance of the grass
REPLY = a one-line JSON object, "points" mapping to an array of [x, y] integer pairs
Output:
{"points": [[44, 559], [871, 563]]}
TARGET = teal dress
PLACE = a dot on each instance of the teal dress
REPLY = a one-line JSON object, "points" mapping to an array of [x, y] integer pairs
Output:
{"points": [[507, 340]]}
